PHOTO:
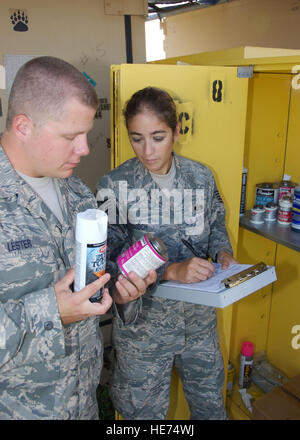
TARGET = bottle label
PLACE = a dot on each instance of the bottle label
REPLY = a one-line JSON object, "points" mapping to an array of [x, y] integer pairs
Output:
{"points": [[95, 261], [89, 265], [95, 266], [284, 216], [139, 258], [245, 371]]}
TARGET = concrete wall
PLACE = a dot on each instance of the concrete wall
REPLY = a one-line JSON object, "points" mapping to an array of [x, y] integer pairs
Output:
{"points": [[265, 23], [84, 34]]}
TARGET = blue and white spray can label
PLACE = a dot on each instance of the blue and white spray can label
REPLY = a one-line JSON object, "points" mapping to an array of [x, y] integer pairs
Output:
{"points": [[95, 265]]}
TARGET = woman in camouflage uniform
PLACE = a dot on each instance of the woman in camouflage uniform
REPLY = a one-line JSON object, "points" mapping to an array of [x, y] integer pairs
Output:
{"points": [[152, 334]]}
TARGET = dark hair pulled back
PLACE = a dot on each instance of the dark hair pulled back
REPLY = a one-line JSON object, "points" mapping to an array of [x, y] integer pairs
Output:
{"points": [[155, 100]]}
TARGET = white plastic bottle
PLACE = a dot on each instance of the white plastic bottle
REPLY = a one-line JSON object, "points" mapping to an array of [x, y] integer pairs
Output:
{"points": [[90, 257]]}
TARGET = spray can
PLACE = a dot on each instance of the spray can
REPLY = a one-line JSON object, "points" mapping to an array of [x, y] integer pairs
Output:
{"points": [[90, 251], [230, 378], [246, 362], [144, 255]]}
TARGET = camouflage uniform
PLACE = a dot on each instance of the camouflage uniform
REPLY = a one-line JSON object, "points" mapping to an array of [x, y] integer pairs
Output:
{"points": [[47, 370], [155, 332]]}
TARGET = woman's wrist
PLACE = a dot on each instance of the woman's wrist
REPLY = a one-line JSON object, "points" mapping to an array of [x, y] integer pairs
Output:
{"points": [[170, 272]]}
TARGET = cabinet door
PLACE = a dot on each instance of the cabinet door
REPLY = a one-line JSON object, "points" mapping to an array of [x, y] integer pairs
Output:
{"points": [[284, 330], [211, 104], [267, 120]]}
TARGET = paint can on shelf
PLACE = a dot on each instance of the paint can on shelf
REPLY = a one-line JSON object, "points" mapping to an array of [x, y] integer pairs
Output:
{"points": [[257, 214], [286, 188], [266, 193], [284, 216], [271, 212]]}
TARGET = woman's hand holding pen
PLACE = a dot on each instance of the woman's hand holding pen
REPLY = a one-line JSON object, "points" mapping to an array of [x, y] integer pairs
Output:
{"points": [[190, 271]]}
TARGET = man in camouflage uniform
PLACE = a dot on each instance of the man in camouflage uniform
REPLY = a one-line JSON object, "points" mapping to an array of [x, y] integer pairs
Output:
{"points": [[152, 333], [50, 343]]}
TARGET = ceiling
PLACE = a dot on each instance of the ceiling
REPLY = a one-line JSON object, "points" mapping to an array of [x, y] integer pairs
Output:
{"points": [[159, 9]]}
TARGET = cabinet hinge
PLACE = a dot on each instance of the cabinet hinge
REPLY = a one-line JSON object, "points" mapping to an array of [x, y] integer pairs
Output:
{"points": [[245, 71]]}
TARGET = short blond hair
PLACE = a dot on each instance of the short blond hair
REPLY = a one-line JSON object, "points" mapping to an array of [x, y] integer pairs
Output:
{"points": [[43, 85]]}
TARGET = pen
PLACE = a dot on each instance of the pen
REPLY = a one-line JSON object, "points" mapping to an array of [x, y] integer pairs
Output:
{"points": [[190, 247]]}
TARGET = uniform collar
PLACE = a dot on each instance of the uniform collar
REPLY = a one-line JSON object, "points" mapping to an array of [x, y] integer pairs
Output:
{"points": [[9, 179], [12, 184], [143, 179]]}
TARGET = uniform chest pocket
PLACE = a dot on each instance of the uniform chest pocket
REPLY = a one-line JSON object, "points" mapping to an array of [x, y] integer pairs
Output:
{"points": [[26, 264]]}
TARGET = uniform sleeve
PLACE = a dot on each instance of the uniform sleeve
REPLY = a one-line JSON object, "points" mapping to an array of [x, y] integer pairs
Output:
{"points": [[218, 239], [30, 329]]}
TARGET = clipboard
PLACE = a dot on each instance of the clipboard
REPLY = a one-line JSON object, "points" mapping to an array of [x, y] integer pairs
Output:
{"points": [[260, 276]]}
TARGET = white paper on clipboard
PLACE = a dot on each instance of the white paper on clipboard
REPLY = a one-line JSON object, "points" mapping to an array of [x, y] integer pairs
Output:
{"points": [[221, 297], [214, 283]]}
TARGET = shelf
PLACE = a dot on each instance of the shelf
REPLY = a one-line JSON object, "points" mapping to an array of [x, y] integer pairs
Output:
{"points": [[274, 231]]}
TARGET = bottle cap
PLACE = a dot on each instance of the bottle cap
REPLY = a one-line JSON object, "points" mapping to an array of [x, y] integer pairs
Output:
{"points": [[91, 226], [247, 349]]}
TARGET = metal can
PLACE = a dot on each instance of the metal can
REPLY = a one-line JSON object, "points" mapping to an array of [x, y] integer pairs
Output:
{"points": [[286, 188], [146, 254], [271, 212], [296, 210], [230, 378], [266, 193], [285, 211], [257, 214]]}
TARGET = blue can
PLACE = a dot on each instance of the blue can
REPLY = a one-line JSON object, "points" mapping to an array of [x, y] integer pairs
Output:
{"points": [[266, 193], [296, 210]]}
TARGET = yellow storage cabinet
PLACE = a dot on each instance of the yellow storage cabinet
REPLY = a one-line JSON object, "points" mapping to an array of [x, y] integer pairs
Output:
{"points": [[213, 132], [270, 318], [268, 148]]}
